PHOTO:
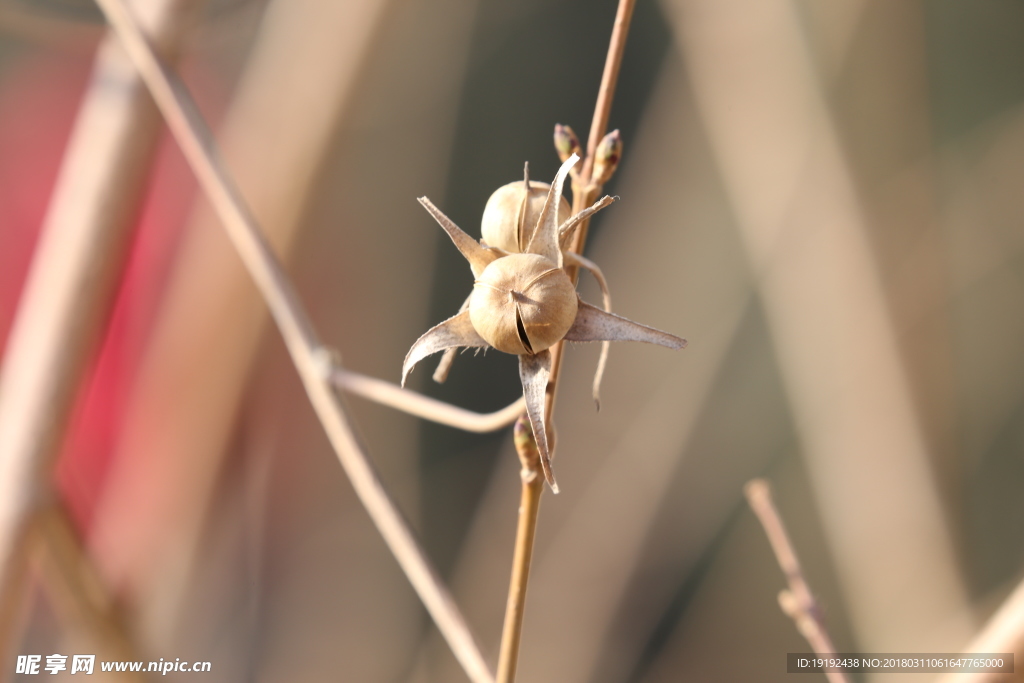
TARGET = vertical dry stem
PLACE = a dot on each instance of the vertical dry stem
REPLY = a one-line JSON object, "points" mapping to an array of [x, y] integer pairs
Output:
{"points": [[606, 93], [529, 507], [196, 142], [584, 194], [583, 191], [797, 602]]}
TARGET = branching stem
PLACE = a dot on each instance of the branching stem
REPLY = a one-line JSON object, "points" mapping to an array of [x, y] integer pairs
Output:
{"points": [[418, 405], [797, 602]]}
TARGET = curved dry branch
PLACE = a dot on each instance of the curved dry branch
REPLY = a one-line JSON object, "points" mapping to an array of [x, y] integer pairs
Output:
{"points": [[196, 142], [413, 403]]}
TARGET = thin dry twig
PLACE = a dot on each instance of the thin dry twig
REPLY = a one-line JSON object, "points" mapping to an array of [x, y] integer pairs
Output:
{"points": [[797, 602], [584, 194], [300, 73], [196, 142], [418, 405], [606, 95]]}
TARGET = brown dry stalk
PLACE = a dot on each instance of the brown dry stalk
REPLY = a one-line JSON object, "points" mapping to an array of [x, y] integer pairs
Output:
{"points": [[14, 591], [797, 602], [76, 589], [529, 506], [584, 194], [605, 96], [196, 142]]}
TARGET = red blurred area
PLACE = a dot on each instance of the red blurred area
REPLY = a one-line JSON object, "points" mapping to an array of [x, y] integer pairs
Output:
{"points": [[39, 98]]}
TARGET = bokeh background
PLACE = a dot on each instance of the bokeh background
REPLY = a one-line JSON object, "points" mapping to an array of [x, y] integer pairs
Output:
{"points": [[824, 198]]}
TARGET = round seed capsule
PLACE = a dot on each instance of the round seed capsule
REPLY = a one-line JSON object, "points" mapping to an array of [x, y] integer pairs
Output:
{"points": [[522, 303], [511, 215]]}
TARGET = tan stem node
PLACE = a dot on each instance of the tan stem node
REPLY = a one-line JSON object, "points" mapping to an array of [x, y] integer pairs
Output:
{"points": [[526, 448]]}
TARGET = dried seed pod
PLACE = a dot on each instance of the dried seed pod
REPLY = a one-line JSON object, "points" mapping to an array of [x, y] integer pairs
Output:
{"points": [[510, 216], [522, 303]]}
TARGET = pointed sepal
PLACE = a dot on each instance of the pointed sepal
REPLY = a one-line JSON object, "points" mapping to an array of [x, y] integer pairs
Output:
{"points": [[534, 371], [478, 255], [452, 333], [544, 240], [593, 324], [444, 365], [566, 229]]}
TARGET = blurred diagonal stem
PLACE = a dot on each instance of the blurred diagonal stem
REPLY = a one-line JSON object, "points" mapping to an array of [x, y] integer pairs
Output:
{"points": [[585, 191], [69, 293], [797, 602], [196, 142], [75, 587], [1004, 632]]}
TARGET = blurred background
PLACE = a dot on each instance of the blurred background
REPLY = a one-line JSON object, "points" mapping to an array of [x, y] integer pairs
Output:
{"points": [[824, 198]]}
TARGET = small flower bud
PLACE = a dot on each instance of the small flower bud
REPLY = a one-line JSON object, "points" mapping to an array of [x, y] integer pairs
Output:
{"points": [[606, 158], [566, 142]]}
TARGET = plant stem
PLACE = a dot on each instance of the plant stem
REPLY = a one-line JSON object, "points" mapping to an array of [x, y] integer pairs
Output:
{"points": [[419, 405], [798, 602], [584, 194], [529, 507], [196, 142], [606, 92]]}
